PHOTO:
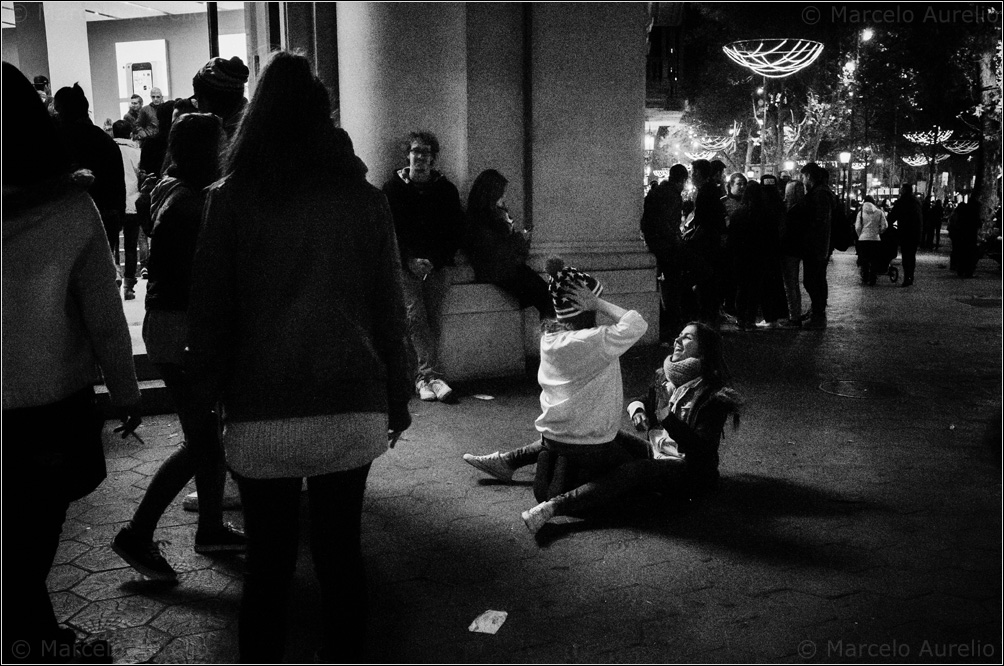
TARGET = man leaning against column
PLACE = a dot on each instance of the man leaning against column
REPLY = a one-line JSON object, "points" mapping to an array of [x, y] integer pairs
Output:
{"points": [[430, 225]]}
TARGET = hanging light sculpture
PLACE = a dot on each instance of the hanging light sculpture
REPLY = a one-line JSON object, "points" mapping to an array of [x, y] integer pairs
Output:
{"points": [[962, 146], [702, 155], [932, 136], [774, 58]]}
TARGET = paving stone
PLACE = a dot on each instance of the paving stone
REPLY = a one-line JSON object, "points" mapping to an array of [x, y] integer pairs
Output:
{"points": [[195, 618], [66, 604], [114, 614], [100, 558], [108, 584], [68, 550], [199, 649], [136, 645], [63, 577]]}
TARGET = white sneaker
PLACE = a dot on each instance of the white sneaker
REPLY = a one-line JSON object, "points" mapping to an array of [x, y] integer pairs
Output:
{"points": [[425, 391], [491, 464], [441, 389], [537, 516]]}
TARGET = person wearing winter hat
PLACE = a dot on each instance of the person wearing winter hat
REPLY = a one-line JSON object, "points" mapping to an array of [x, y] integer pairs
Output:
{"points": [[580, 377], [219, 89]]}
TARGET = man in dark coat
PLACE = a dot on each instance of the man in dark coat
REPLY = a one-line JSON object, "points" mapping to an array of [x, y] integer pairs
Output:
{"points": [[819, 203], [705, 241], [91, 148], [429, 222], [660, 226], [907, 214]]}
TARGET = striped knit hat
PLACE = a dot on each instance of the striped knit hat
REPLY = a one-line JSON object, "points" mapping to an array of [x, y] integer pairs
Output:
{"points": [[560, 279]]}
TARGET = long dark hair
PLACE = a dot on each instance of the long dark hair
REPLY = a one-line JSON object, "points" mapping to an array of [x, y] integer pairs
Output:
{"points": [[709, 345], [193, 149], [287, 140], [487, 189], [34, 159]]}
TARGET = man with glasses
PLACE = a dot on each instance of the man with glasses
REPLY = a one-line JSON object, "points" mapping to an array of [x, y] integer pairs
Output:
{"points": [[428, 219]]}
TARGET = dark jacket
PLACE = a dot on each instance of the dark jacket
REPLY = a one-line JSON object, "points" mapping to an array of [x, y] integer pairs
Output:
{"points": [[91, 148], [176, 211], [495, 252], [297, 306], [709, 223], [908, 216], [429, 219], [660, 221], [819, 202], [699, 436]]}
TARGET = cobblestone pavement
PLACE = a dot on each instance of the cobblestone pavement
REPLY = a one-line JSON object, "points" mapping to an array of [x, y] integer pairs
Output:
{"points": [[845, 530]]}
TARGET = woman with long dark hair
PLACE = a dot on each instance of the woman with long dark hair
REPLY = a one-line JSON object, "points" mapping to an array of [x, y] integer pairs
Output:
{"points": [[297, 324], [687, 406], [498, 247], [194, 146], [62, 319]]}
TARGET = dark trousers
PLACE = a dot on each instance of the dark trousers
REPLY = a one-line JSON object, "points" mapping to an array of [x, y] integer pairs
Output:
{"points": [[271, 522], [670, 310], [52, 456], [814, 279], [130, 236], [112, 222], [200, 455], [529, 288], [909, 253]]}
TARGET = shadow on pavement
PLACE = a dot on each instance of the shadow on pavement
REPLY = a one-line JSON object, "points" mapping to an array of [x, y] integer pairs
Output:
{"points": [[749, 514]]}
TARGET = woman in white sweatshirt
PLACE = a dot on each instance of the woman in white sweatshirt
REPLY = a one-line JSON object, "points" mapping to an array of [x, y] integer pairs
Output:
{"points": [[870, 224]]}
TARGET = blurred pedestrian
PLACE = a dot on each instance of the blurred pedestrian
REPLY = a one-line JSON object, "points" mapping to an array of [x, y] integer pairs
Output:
{"points": [[62, 322], [907, 215], [219, 89], [296, 323], [791, 250], [660, 227], [819, 205], [130, 220], [194, 156], [870, 224]]}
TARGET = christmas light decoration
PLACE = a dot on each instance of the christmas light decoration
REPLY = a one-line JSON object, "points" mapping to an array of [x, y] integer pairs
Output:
{"points": [[922, 160], [774, 58], [704, 155], [716, 143], [962, 146], [931, 136]]}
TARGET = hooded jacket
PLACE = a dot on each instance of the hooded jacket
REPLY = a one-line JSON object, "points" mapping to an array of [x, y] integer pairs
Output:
{"points": [[870, 223], [176, 212], [428, 219]]}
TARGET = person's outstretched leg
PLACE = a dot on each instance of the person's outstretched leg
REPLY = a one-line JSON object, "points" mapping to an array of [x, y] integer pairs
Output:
{"points": [[336, 503]]}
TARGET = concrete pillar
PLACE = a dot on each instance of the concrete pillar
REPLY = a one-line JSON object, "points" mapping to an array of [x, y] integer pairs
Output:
{"points": [[403, 67], [588, 106], [69, 55], [29, 31]]}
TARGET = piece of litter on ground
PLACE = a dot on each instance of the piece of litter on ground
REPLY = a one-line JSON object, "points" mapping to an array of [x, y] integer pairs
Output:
{"points": [[483, 396], [488, 622], [951, 427], [173, 434]]}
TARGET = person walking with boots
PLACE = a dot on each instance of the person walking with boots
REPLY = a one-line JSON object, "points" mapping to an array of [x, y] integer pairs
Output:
{"points": [[907, 215]]}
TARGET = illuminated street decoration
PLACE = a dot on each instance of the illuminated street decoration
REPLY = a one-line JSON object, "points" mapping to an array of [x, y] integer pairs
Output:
{"points": [[703, 155], [932, 136], [716, 143], [774, 58], [922, 160], [962, 146]]}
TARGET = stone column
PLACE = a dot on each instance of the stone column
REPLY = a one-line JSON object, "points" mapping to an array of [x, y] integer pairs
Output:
{"points": [[403, 67], [68, 55], [29, 31], [588, 96]]}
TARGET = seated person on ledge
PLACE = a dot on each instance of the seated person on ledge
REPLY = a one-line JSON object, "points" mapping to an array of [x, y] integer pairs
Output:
{"points": [[687, 406]]}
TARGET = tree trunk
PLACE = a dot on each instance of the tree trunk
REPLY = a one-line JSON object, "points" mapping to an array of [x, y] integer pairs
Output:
{"points": [[988, 159]]}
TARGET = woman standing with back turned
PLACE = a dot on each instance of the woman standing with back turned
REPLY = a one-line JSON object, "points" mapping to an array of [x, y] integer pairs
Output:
{"points": [[296, 323]]}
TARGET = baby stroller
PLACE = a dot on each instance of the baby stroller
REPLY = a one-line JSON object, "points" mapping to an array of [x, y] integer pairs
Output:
{"points": [[889, 251]]}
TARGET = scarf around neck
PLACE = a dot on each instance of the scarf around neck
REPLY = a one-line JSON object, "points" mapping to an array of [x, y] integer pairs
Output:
{"points": [[683, 371]]}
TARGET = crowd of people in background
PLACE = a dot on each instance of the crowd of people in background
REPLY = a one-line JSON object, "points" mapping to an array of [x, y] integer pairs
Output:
{"points": [[730, 251]]}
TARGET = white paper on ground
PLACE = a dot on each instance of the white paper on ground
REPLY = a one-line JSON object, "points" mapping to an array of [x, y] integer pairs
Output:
{"points": [[488, 622], [483, 396]]}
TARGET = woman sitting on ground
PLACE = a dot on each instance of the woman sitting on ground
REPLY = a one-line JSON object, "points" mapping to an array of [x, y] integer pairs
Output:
{"points": [[498, 247], [686, 406]]}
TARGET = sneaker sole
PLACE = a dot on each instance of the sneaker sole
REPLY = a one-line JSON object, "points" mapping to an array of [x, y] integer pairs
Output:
{"points": [[431, 398], [143, 569]]}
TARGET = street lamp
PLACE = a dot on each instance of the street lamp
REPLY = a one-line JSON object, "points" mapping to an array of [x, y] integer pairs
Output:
{"points": [[845, 159]]}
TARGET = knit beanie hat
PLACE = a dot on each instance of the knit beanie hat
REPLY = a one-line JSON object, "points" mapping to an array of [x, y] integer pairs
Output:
{"points": [[220, 74], [560, 280]]}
